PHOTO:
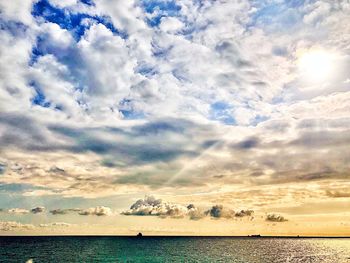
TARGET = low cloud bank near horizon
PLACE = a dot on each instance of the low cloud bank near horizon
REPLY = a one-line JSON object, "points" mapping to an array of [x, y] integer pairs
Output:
{"points": [[151, 206], [23, 211], [97, 211], [13, 225]]}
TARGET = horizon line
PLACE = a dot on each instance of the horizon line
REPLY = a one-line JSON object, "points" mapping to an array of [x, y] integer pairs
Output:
{"points": [[172, 236]]}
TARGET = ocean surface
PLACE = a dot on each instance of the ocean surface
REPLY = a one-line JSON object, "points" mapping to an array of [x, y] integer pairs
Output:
{"points": [[173, 249]]}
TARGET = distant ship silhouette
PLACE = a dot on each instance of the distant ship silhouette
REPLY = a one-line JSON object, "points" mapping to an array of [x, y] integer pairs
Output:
{"points": [[256, 235], [139, 235]]}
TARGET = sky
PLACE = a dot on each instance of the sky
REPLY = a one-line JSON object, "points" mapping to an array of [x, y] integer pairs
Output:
{"points": [[175, 117]]}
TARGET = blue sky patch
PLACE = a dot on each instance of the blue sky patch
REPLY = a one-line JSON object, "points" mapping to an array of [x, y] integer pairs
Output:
{"points": [[126, 108], [258, 119], [146, 70], [2, 168], [71, 21], [88, 2], [39, 98], [221, 111], [162, 8], [18, 187], [277, 16]]}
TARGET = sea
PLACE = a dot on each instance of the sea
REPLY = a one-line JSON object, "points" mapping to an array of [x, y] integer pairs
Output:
{"points": [[173, 249]]}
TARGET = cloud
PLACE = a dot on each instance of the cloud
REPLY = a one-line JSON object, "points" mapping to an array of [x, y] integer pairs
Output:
{"points": [[22, 211], [247, 144], [98, 211], [195, 213], [170, 24], [11, 226], [64, 211], [275, 218], [244, 213], [38, 210], [150, 206], [341, 193], [17, 211], [17, 11], [96, 100], [56, 224], [218, 211]]}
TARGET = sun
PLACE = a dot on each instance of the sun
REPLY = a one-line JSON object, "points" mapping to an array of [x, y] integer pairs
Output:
{"points": [[316, 65]]}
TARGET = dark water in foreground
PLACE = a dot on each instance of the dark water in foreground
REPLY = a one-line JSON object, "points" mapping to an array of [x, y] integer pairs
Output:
{"points": [[173, 249]]}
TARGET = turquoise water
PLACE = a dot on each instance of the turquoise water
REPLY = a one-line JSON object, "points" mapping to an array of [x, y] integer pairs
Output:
{"points": [[173, 249]]}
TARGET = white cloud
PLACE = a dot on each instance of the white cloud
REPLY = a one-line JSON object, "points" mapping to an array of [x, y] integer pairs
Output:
{"points": [[150, 206], [63, 3], [171, 24], [17, 10], [56, 224], [18, 211], [98, 211], [11, 226], [317, 11]]}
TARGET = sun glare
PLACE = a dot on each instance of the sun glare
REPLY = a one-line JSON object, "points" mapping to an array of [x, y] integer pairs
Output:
{"points": [[316, 65]]}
